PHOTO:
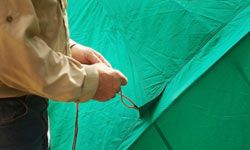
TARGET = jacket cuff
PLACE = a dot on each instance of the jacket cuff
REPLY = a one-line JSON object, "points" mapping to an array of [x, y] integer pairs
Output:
{"points": [[90, 83]]}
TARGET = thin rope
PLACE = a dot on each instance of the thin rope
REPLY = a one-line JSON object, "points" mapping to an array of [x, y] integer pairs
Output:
{"points": [[77, 113], [76, 127], [130, 100]]}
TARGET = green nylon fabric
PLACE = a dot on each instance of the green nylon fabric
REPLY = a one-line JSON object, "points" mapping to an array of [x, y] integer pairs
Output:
{"points": [[181, 50], [212, 114]]}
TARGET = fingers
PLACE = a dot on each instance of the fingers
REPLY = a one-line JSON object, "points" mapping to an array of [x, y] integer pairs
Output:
{"points": [[110, 82], [123, 78], [117, 89], [87, 55], [93, 59], [102, 59]]}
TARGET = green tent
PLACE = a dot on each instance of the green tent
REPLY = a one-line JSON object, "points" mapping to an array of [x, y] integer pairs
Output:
{"points": [[188, 65]]}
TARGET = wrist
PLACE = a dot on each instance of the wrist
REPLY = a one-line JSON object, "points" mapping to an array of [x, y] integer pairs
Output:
{"points": [[72, 44]]}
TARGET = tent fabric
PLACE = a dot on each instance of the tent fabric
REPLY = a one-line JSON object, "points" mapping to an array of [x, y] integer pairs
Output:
{"points": [[213, 113], [165, 48]]}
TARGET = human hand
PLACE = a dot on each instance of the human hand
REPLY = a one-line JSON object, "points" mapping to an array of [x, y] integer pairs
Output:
{"points": [[110, 82], [87, 55]]}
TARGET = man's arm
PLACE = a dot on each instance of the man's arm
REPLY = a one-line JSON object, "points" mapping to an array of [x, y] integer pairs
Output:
{"points": [[86, 55], [29, 64]]}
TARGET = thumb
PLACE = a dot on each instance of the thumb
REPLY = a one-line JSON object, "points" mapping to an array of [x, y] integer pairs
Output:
{"points": [[124, 79], [93, 59]]}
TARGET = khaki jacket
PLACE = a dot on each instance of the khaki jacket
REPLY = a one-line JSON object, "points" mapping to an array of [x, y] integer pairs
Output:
{"points": [[35, 56]]}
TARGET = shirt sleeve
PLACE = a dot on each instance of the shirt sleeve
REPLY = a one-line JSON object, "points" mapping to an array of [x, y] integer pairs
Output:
{"points": [[28, 64]]}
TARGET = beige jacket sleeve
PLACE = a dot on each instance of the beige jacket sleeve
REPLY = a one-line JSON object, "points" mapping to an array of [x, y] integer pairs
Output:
{"points": [[28, 64]]}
